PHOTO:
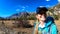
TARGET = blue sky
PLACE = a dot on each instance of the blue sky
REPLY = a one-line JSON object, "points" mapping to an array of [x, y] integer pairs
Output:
{"points": [[9, 7]]}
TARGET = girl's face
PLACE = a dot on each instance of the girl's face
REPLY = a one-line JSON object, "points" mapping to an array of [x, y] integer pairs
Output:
{"points": [[41, 17]]}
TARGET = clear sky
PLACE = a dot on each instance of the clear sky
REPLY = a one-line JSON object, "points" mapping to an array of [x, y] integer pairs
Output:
{"points": [[9, 7]]}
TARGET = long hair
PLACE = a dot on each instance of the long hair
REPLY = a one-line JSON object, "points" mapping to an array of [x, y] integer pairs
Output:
{"points": [[36, 27]]}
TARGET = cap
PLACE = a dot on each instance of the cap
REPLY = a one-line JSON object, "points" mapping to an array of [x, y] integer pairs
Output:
{"points": [[41, 10]]}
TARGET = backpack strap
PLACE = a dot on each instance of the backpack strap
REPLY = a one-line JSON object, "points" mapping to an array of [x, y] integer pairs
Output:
{"points": [[49, 29]]}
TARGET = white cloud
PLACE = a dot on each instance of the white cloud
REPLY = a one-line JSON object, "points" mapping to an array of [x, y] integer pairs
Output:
{"points": [[41, 6], [48, 6], [58, 0], [20, 8], [47, 0], [23, 7], [17, 9]]}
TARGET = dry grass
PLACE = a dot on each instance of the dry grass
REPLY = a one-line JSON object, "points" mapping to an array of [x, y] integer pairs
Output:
{"points": [[58, 25], [27, 30]]}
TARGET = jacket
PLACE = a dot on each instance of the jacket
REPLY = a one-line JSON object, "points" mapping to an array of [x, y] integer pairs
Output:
{"points": [[50, 27]]}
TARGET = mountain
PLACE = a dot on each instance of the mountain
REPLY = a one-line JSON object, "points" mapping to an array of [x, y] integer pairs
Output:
{"points": [[1, 18], [18, 15]]}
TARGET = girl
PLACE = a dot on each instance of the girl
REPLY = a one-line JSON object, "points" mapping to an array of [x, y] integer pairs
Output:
{"points": [[44, 24]]}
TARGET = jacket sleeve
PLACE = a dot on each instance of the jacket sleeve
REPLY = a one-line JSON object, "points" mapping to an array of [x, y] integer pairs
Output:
{"points": [[54, 29]]}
